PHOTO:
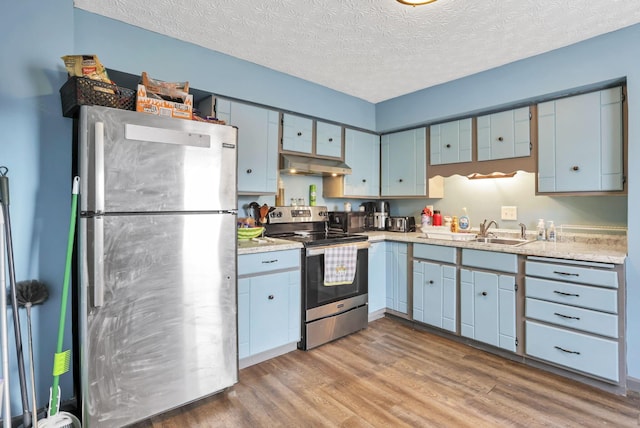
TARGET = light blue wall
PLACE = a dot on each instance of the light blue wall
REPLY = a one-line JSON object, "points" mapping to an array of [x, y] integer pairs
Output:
{"points": [[602, 59], [35, 143], [126, 48]]}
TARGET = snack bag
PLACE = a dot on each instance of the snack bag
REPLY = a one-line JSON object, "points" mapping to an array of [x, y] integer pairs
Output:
{"points": [[170, 91], [88, 66]]}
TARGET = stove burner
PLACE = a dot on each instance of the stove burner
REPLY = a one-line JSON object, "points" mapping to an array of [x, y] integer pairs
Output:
{"points": [[311, 231]]}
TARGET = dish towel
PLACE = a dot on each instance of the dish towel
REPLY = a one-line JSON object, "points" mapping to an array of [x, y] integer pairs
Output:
{"points": [[340, 265]]}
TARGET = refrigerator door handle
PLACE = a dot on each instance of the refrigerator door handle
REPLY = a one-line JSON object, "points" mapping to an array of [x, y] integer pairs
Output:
{"points": [[99, 167], [98, 262]]}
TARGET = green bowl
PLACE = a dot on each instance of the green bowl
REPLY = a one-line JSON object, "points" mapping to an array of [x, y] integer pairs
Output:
{"points": [[249, 232]]}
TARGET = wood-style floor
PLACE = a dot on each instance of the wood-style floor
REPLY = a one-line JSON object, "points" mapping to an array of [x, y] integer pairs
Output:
{"points": [[391, 375]]}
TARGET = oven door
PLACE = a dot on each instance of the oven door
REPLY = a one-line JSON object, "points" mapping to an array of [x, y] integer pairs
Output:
{"points": [[316, 294]]}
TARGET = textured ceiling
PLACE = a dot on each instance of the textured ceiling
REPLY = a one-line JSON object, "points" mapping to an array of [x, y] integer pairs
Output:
{"points": [[375, 49]]}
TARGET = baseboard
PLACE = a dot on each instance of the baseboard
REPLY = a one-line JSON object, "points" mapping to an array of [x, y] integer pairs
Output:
{"points": [[633, 384], [375, 315], [266, 355]]}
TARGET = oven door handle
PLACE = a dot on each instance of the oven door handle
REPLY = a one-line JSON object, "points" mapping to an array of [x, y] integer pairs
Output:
{"points": [[360, 245]]}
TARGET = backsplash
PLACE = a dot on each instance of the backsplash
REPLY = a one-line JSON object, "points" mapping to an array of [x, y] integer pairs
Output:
{"points": [[483, 200]]}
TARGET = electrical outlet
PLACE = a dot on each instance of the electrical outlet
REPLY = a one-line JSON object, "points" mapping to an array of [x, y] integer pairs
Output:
{"points": [[509, 213]]}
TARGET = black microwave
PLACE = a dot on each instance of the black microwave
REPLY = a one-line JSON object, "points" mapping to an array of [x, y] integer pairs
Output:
{"points": [[349, 222]]}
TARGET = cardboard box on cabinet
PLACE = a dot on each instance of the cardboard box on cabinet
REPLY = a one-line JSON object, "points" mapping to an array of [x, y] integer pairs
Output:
{"points": [[160, 107]]}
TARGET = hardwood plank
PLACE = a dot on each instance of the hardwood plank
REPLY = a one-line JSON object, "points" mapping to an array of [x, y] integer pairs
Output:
{"points": [[391, 375]]}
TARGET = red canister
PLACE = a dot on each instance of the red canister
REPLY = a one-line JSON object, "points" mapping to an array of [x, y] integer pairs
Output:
{"points": [[437, 218]]}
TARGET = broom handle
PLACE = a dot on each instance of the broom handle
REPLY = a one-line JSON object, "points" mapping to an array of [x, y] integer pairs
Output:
{"points": [[6, 403], [55, 390], [4, 196]]}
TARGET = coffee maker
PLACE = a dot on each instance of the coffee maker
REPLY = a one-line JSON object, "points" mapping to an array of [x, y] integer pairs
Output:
{"points": [[381, 215], [369, 208]]}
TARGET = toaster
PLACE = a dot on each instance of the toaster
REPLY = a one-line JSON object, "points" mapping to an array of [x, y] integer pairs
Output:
{"points": [[401, 224]]}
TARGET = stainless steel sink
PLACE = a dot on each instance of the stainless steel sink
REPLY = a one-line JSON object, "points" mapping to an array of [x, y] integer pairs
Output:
{"points": [[503, 241]]}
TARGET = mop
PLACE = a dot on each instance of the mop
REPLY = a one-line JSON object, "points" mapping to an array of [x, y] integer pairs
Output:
{"points": [[4, 196], [56, 418], [32, 293]]}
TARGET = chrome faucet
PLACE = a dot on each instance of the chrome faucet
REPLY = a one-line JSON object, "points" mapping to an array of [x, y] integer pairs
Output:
{"points": [[484, 227], [523, 231]]}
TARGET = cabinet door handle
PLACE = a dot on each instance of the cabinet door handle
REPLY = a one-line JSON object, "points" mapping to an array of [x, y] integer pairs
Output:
{"points": [[330, 140], [566, 350], [566, 294], [249, 171], [500, 139], [271, 297], [400, 180], [364, 180], [565, 273], [431, 281], [269, 261], [566, 316], [448, 146], [484, 293], [575, 168], [299, 134]]}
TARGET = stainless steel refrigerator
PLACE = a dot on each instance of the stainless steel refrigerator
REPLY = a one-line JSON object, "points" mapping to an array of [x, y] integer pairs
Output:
{"points": [[157, 263]]}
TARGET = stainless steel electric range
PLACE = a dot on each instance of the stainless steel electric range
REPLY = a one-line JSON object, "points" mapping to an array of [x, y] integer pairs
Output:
{"points": [[328, 311]]}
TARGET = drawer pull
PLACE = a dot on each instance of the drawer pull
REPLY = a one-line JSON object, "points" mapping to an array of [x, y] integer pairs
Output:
{"points": [[566, 294], [566, 316], [270, 261], [484, 293], [431, 281], [566, 273], [271, 297], [567, 351]]}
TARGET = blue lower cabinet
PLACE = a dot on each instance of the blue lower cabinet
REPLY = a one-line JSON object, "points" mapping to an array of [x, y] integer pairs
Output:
{"points": [[396, 277], [488, 308], [434, 294], [268, 305], [377, 276]]}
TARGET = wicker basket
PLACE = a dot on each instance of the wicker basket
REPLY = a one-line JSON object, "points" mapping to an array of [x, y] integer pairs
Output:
{"points": [[79, 91]]}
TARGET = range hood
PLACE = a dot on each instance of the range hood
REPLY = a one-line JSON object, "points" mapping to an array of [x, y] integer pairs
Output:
{"points": [[306, 165]]}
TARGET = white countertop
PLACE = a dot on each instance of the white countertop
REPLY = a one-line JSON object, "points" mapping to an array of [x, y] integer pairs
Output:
{"points": [[265, 245], [589, 248]]}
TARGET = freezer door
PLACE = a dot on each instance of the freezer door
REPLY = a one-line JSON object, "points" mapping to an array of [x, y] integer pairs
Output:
{"points": [[160, 330], [135, 162]]}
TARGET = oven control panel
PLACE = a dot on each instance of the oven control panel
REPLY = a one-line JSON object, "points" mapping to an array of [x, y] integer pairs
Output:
{"points": [[298, 214]]}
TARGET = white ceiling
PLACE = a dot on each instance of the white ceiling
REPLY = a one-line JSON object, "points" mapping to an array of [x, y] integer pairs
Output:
{"points": [[375, 49]]}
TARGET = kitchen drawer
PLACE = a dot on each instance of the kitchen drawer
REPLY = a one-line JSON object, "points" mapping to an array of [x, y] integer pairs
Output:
{"points": [[584, 296], [577, 351], [582, 274], [572, 317], [490, 260], [257, 263], [434, 252]]}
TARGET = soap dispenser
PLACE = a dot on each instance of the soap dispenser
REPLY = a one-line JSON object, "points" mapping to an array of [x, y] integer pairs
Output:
{"points": [[541, 230], [551, 232]]}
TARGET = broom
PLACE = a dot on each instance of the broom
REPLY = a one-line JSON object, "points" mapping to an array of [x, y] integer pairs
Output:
{"points": [[55, 417], [28, 294]]}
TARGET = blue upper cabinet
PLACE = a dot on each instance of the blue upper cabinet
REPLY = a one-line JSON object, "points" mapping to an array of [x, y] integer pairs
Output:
{"points": [[257, 145], [297, 134], [504, 135], [450, 142], [362, 154], [580, 143], [316, 138], [404, 163], [328, 140]]}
